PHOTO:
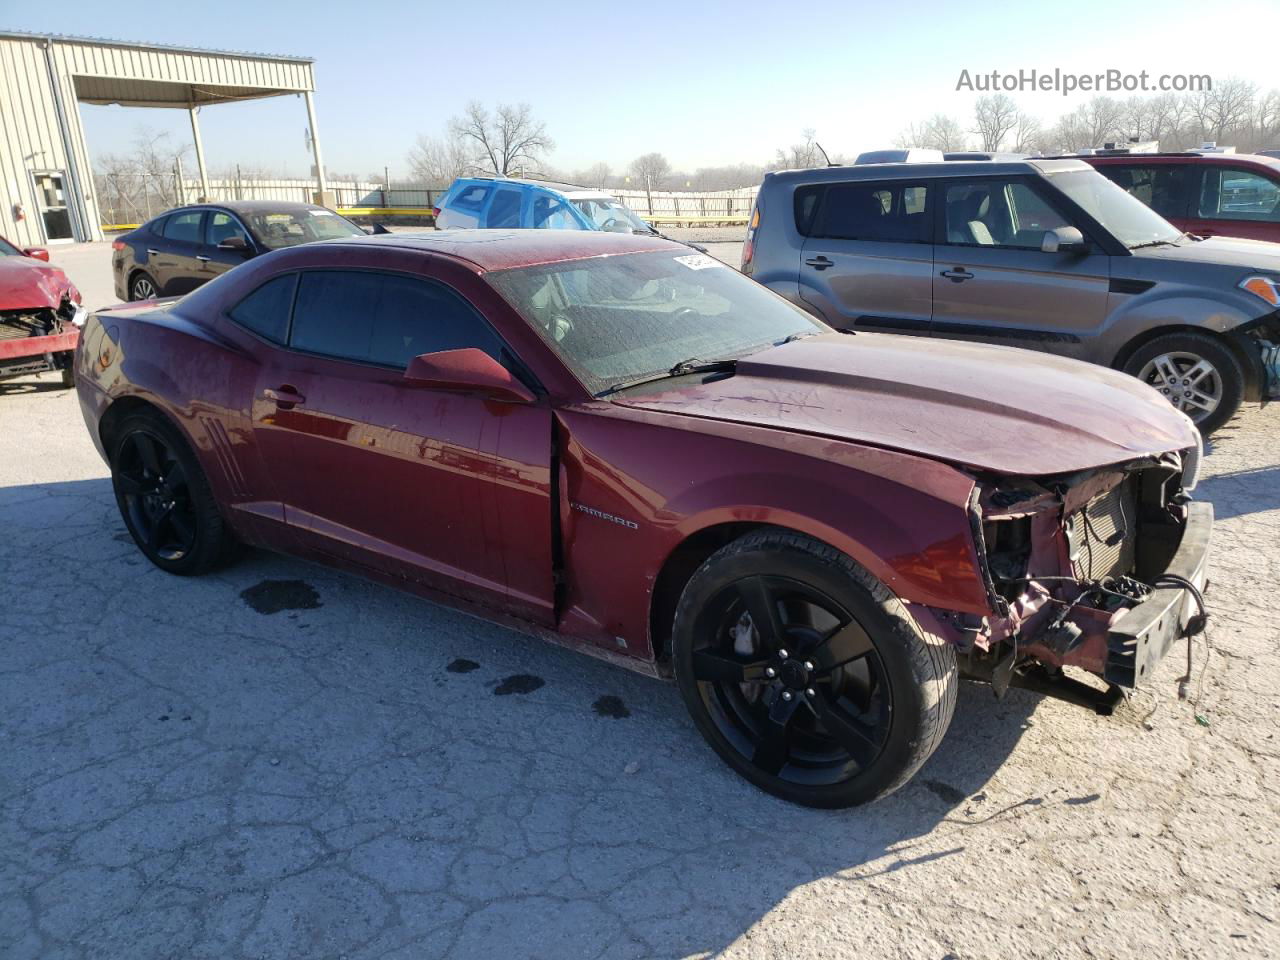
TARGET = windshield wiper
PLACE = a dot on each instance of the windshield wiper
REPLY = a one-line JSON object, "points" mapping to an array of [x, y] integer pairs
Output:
{"points": [[1155, 243], [683, 368]]}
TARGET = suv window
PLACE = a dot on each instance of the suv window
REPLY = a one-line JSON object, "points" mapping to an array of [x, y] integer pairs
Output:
{"points": [[552, 214], [504, 211], [1230, 194], [266, 310], [383, 318], [470, 198], [184, 227], [998, 213], [1162, 187], [864, 211]]}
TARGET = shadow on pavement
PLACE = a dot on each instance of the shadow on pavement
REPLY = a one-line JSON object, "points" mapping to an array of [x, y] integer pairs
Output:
{"points": [[281, 760], [1242, 492]]}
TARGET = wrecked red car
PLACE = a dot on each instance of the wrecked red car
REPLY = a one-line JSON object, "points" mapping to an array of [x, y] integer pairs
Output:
{"points": [[616, 443], [40, 314]]}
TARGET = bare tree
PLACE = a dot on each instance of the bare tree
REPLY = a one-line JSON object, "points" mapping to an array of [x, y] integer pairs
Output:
{"points": [[1102, 120], [1026, 135], [439, 160], [939, 132], [995, 116], [596, 175], [504, 141], [800, 156], [143, 181], [652, 170], [1224, 108]]}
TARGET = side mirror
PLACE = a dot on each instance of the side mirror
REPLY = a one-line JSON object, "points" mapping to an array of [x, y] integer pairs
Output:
{"points": [[374, 229], [1063, 240], [469, 371], [235, 242], [36, 253]]}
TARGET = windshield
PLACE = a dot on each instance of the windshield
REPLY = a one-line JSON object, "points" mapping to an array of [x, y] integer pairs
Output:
{"points": [[278, 229], [612, 216], [1130, 220], [615, 320]]}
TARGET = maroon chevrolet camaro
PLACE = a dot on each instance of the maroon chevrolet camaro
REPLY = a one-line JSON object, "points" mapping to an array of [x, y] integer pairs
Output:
{"points": [[619, 443]]}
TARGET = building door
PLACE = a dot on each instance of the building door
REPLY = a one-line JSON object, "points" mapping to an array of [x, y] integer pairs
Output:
{"points": [[51, 200]]}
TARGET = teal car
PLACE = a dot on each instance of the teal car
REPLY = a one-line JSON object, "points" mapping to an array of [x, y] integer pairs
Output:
{"points": [[509, 202]]}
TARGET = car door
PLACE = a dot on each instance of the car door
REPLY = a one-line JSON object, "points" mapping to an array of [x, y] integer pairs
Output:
{"points": [[443, 489], [867, 259], [1234, 201], [223, 225], [175, 263], [993, 282]]}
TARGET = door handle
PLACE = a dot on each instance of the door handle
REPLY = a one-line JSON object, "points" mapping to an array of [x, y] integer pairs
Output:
{"points": [[957, 274], [820, 263], [202, 259], [285, 397]]}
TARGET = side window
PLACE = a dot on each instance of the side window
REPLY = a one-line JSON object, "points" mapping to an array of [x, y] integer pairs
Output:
{"points": [[996, 213], [184, 227], [552, 214], [470, 198], [864, 211], [1228, 194], [383, 318], [221, 226], [504, 210], [1160, 186], [266, 310]]}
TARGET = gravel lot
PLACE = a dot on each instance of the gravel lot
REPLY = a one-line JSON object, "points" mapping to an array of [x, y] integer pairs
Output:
{"points": [[281, 761]]}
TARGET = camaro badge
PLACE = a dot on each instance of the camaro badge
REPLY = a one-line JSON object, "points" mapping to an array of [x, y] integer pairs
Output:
{"points": [[592, 511]]}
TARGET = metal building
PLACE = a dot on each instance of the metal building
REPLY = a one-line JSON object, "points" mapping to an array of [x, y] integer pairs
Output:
{"points": [[46, 175]]}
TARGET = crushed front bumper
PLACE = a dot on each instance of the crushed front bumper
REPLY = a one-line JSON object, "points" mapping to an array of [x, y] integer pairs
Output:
{"points": [[1141, 638]]}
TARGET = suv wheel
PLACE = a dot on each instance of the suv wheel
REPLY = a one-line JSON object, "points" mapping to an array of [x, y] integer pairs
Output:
{"points": [[1195, 372]]}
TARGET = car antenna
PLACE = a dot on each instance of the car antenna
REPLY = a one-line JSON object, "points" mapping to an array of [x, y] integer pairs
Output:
{"points": [[824, 155]]}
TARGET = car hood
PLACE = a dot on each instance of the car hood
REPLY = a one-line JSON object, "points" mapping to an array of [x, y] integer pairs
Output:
{"points": [[1220, 251], [1000, 409], [29, 283]]}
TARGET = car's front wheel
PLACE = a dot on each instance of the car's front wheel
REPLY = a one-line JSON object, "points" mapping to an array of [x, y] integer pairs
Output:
{"points": [[1196, 372], [806, 674], [165, 499]]}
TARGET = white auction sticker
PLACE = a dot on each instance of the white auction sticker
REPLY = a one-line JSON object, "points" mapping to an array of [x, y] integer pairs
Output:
{"points": [[323, 213], [699, 261]]}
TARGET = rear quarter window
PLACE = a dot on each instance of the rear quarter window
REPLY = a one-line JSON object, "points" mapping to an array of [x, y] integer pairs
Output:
{"points": [[266, 310], [470, 198]]}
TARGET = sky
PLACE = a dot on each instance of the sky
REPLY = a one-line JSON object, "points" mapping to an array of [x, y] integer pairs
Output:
{"points": [[704, 84]]}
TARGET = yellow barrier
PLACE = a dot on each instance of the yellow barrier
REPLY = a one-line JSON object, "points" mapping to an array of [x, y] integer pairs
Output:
{"points": [[385, 211], [117, 227]]}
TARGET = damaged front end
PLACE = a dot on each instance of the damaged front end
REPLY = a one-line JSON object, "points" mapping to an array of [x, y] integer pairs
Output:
{"points": [[1100, 570], [39, 339]]}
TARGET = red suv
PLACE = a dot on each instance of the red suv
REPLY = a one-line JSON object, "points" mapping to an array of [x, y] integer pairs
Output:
{"points": [[1208, 194]]}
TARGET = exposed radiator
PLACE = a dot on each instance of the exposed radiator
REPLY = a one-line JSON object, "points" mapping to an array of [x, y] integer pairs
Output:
{"points": [[1103, 536]]}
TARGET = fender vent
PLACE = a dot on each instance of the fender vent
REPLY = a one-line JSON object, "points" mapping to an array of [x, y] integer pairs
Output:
{"points": [[225, 455]]}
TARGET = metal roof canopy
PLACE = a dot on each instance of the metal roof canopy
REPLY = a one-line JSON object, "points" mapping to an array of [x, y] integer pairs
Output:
{"points": [[159, 75]]}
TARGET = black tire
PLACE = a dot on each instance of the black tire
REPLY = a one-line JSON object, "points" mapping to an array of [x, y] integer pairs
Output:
{"points": [[871, 692], [142, 287], [1163, 362], [165, 499]]}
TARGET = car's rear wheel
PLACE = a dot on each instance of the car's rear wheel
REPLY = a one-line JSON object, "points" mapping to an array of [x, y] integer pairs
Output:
{"points": [[142, 287], [165, 499], [1196, 372], [806, 674]]}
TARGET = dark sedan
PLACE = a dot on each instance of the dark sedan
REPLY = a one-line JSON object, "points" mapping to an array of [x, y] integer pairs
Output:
{"points": [[618, 444], [189, 246]]}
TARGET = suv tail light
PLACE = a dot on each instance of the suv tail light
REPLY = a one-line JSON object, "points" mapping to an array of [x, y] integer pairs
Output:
{"points": [[749, 246], [117, 244], [435, 211]]}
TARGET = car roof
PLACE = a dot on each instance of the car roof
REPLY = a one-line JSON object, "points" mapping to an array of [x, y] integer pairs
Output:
{"points": [[1191, 155], [506, 249], [929, 171], [248, 206], [568, 189]]}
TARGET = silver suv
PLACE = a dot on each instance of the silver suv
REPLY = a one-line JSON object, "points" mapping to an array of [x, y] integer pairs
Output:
{"points": [[1045, 254]]}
